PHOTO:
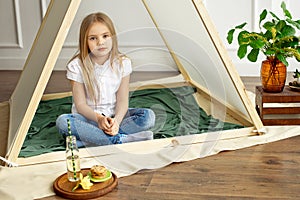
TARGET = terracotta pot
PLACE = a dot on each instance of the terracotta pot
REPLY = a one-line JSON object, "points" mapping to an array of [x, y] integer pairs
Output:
{"points": [[273, 75]]}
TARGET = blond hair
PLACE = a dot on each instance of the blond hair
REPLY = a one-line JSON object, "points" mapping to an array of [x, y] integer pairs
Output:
{"points": [[84, 52]]}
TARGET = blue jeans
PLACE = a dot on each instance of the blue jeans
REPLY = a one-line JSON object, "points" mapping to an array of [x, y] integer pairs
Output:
{"points": [[88, 134]]}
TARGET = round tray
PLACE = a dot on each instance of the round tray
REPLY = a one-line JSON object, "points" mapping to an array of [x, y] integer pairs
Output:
{"points": [[63, 187]]}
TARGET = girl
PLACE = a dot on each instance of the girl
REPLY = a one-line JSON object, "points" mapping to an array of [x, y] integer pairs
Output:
{"points": [[99, 77]]}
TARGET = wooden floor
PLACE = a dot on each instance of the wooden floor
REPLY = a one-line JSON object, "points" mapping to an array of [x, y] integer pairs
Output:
{"points": [[269, 171]]}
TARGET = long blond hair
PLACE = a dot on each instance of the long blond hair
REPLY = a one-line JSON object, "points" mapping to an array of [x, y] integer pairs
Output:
{"points": [[84, 52]]}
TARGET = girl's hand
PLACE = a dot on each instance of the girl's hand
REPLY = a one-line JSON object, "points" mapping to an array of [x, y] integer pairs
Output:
{"points": [[108, 124], [114, 129]]}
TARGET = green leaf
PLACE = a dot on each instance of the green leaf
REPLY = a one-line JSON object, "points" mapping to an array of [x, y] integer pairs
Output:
{"points": [[252, 56], [242, 51], [296, 74], [269, 52], [294, 23], [282, 59], [290, 42], [230, 36], [243, 38], [241, 25], [285, 11], [268, 35], [257, 44], [297, 56], [297, 22], [280, 25], [262, 16], [287, 31], [275, 16], [269, 25]]}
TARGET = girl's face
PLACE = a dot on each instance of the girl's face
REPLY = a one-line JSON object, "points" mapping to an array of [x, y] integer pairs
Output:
{"points": [[99, 41]]}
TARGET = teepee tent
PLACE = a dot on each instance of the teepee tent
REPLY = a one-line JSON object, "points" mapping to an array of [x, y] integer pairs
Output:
{"points": [[193, 44]]}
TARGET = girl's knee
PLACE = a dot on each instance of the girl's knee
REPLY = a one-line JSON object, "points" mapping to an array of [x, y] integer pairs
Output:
{"points": [[61, 119], [61, 122], [150, 116]]}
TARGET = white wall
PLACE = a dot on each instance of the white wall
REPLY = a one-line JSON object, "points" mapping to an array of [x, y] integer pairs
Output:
{"points": [[21, 19], [19, 23]]}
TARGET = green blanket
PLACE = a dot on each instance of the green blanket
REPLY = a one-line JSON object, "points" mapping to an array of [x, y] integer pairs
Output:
{"points": [[177, 113]]}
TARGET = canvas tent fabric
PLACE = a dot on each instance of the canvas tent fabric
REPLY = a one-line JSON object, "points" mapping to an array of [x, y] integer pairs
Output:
{"points": [[36, 72], [35, 181], [201, 67]]}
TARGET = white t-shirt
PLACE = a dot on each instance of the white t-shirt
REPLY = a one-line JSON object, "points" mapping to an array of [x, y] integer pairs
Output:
{"points": [[108, 80]]}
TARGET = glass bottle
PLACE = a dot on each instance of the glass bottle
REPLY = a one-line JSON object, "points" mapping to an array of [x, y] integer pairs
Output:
{"points": [[72, 159]]}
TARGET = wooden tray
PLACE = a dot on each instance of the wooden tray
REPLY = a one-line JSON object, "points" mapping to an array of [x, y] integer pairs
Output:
{"points": [[63, 187]]}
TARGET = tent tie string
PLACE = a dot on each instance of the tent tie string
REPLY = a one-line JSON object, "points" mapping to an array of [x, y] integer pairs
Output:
{"points": [[9, 163]]}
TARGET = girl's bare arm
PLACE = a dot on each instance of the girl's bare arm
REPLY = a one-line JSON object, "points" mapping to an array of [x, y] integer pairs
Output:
{"points": [[85, 110], [122, 99]]}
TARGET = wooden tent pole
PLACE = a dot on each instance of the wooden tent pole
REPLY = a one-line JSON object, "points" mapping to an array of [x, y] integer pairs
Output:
{"points": [[41, 60], [237, 82]]}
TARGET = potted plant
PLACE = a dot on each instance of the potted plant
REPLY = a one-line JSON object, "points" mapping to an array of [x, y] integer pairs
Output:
{"points": [[297, 76], [276, 39], [295, 85]]}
